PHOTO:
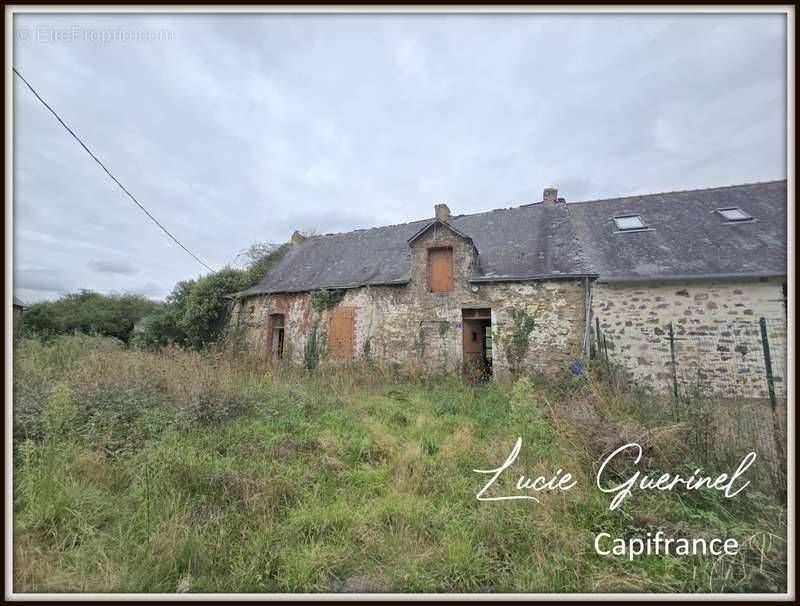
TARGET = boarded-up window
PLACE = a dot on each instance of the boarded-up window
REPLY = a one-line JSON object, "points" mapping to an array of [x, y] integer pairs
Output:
{"points": [[341, 331], [440, 269]]}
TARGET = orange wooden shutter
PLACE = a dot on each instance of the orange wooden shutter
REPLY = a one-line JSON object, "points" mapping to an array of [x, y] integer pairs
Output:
{"points": [[341, 331], [441, 269]]}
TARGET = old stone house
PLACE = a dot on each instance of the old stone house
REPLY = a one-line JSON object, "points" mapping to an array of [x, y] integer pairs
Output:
{"points": [[522, 288], [18, 311]]}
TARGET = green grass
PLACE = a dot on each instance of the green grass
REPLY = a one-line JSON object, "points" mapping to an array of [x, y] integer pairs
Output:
{"points": [[175, 471]]}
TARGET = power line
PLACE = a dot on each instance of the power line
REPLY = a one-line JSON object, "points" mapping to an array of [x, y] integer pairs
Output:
{"points": [[108, 172]]}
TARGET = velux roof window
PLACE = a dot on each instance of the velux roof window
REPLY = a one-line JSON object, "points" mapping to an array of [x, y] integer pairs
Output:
{"points": [[734, 215], [630, 223]]}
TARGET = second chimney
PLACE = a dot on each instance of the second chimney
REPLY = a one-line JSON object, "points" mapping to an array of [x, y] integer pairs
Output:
{"points": [[442, 212], [550, 196]]}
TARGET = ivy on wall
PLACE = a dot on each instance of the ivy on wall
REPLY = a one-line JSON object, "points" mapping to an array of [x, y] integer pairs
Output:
{"points": [[514, 340], [315, 345], [325, 298]]}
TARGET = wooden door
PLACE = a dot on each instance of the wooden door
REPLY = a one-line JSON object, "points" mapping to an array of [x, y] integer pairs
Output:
{"points": [[474, 344], [341, 331]]}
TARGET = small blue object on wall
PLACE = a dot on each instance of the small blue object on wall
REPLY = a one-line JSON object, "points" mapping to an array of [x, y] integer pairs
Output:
{"points": [[578, 368], [458, 324]]}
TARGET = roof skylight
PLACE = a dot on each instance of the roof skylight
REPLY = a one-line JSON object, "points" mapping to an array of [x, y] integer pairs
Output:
{"points": [[629, 223], [734, 214]]}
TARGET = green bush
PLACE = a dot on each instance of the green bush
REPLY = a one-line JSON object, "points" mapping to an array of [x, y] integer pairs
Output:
{"points": [[89, 313], [196, 311]]}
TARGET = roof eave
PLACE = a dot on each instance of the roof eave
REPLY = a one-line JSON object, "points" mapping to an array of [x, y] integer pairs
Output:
{"points": [[279, 291], [534, 277], [689, 277]]}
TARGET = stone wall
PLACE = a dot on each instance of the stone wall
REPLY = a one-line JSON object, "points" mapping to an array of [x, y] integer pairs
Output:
{"points": [[716, 328], [410, 326]]}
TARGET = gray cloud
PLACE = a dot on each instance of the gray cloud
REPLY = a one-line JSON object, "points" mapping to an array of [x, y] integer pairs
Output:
{"points": [[124, 268], [242, 128], [35, 283], [150, 290], [42, 278]]}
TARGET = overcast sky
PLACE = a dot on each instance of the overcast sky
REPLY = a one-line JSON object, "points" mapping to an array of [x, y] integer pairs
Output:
{"points": [[235, 129]]}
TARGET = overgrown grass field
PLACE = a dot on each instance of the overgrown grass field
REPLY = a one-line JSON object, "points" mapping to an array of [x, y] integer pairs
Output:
{"points": [[213, 472]]}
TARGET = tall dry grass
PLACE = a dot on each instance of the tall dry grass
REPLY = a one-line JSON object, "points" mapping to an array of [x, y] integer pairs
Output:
{"points": [[179, 471]]}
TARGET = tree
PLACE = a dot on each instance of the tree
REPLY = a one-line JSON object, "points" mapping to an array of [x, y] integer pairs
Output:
{"points": [[196, 311], [258, 259], [203, 313], [90, 313]]}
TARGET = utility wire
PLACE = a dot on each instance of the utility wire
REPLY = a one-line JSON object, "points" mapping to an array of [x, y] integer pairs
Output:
{"points": [[108, 172]]}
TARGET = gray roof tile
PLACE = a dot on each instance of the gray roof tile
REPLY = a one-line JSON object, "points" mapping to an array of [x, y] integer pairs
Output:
{"points": [[687, 239]]}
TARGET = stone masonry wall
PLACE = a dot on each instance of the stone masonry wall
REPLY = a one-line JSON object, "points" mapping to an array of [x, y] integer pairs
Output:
{"points": [[716, 327], [412, 327]]}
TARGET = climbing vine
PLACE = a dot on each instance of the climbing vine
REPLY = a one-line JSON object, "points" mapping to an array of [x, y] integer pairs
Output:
{"points": [[426, 336], [315, 345], [325, 298], [420, 343], [514, 341]]}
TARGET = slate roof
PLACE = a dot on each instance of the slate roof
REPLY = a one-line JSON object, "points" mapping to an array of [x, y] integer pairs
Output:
{"points": [[574, 239], [688, 238], [528, 241], [18, 303]]}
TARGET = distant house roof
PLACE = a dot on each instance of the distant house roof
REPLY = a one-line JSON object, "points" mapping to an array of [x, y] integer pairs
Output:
{"points": [[685, 237], [18, 303]]}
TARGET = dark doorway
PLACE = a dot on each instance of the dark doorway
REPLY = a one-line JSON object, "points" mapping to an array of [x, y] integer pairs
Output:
{"points": [[276, 340], [477, 327]]}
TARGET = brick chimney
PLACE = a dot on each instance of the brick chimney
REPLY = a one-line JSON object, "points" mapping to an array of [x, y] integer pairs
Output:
{"points": [[442, 212], [297, 237], [550, 196]]}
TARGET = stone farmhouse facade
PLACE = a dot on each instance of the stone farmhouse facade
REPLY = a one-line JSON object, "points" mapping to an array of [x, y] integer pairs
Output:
{"points": [[523, 289]]}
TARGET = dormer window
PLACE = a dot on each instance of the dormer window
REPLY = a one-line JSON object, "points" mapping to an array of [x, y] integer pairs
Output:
{"points": [[440, 269], [734, 215], [630, 223]]}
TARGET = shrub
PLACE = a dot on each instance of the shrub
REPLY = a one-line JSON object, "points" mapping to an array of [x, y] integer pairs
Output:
{"points": [[88, 312], [196, 312]]}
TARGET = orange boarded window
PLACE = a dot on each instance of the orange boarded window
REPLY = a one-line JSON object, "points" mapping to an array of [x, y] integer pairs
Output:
{"points": [[341, 331], [440, 268]]}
